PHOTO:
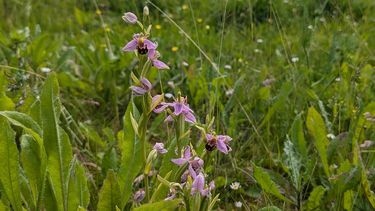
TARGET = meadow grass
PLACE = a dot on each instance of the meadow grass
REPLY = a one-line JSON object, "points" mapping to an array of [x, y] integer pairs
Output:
{"points": [[289, 81]]}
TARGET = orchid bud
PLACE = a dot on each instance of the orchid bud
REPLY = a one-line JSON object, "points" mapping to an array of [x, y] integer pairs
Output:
{"points": [[139, 195], [146, 12], [130, 18]]}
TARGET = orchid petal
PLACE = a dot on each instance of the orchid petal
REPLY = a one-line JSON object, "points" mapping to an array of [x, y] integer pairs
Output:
{"points": [[149, 44], [209, 137], [189, 117], [138, 90], [177, 108], [131, 46], [159, 64], [222, 146], [146, 83], [187, 153], [161, 108], [179, 161], [193, 174], [198, 184], [169, 118]]}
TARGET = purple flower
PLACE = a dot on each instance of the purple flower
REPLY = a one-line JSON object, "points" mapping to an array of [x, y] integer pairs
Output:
{"points": [[130, 18], [141, 89], [180, 107], [140, 43], [220, 141], [159, 147], [195, 164], [153, 55], [198, 186], [139, 195]]}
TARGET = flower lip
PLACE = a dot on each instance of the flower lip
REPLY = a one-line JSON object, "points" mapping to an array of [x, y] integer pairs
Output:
{"points": [[140, 43]]}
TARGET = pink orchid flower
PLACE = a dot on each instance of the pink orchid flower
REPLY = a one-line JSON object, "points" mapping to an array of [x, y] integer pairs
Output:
{"points": [[140, 43]]}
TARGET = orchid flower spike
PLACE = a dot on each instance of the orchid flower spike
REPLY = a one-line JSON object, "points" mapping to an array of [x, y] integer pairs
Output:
{"points": [[143, 88], [140, 43], [221, 142]]}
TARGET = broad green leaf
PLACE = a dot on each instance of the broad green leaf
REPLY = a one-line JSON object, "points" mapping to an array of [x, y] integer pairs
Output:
{"points": [[56, 142], [9, 165], [297, 136], [78, 192], [24, 121], [316, 127], [132, 154], [161, 205], [162, 188], [315, 198], [110, 193], [270, 208], [34, 164], [267, 184]]}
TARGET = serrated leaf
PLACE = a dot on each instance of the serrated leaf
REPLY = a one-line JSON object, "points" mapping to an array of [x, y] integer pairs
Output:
{"points": [[78, 192], [293, 162], [161, 205], [110, 193], [9, 165], [316, 128], [315, 198], [56, 142], [267, 184]]}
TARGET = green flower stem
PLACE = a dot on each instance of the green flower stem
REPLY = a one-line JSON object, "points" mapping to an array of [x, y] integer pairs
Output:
{"points": [[180, 131]]}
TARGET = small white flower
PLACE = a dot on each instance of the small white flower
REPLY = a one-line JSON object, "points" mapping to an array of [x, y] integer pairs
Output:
{"points": [[259, 41], [310, 27], [295, 59], [256, 50], [238, 204], [45, 69], [235, 185], [331, 136], [229, 92], [185, 64], [338, 79], [228, 67]]}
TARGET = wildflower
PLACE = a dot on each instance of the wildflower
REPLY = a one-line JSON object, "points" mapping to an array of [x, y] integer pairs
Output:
{"points": [[220, 141], [139, 43], [143, 88], [174, 49], [180, 107], [331, 136], [153, 55], [259, 40], [228, 67], [130, 18], [159, 147], [310, 27], [207, 27], [139, 195], [295, 59], [235, 186], [195, 164], [199, 20], [198, 186], [98, 12], [185, 7], [268, 81], [158, 26], [238, 204], [45, 69]]}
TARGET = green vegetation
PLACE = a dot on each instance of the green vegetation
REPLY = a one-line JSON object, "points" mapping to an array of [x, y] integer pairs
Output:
{"points": [[291, 81]]}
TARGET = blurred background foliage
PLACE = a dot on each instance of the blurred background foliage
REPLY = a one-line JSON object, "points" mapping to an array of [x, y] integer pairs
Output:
{"points": [[274, 60]]}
